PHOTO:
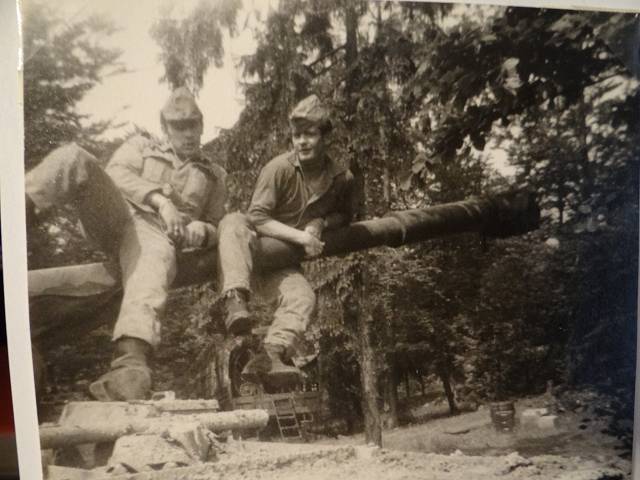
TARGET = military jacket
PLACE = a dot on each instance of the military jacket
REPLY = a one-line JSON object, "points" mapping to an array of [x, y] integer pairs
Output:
{"points": [[281, 194], [196, 187]]}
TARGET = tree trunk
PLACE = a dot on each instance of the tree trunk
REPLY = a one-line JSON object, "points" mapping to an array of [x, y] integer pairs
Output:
{"points": [[386, 183], [443, 373], [351, 50], [368, 370], [390, 383], [67, 435], [368, 374], [407, 391], [391, 396]]}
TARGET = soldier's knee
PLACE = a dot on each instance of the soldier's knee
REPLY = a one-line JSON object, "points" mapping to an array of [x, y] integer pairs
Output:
{"points": [[74, 155], [302, 299], [80, 153], [235, 227], [233, 220]]}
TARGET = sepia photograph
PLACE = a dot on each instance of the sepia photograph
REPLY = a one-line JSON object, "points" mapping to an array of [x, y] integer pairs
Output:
{"points": [[289, 239]]}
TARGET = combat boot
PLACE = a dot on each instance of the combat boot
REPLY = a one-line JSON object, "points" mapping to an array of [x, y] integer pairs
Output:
{"points": [[238, 320], [268, 367], [130, 375], [281, 375]]}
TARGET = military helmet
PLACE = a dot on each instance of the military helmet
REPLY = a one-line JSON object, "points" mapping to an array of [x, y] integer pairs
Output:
{"points": [[311, 111], [180, 106]]}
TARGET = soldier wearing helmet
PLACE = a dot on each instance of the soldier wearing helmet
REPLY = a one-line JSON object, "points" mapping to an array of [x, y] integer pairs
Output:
{"points": [[298, 195], [155, 199]]}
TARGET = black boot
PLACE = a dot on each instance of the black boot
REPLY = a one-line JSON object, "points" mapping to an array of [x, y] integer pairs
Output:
{"points": [[130, 375], [238, 320], [268, 367]]}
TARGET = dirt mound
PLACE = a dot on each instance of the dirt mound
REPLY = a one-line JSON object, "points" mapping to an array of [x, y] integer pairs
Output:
{"points": [[271, 461]]}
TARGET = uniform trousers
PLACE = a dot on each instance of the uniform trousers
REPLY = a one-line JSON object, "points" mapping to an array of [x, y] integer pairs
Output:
{"points": [[286, 288], [147, 256]]}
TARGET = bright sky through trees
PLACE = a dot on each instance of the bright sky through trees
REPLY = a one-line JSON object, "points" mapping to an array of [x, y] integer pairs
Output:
{"points": [[135, 97]]}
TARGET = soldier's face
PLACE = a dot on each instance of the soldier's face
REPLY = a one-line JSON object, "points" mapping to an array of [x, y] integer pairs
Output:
{"points": [[308, 142], [184, 135]]}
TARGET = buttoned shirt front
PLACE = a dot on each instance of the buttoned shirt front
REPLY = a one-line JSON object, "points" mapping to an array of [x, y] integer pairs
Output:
{"points": [[196, 187], [281, 193]]}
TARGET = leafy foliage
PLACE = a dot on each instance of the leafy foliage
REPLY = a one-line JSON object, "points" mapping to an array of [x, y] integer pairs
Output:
{"points": [[62, 63], [190, 45]]}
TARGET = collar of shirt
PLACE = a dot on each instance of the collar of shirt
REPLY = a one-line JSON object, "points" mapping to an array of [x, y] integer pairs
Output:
{"points": [[333, 167], [166, 152]]}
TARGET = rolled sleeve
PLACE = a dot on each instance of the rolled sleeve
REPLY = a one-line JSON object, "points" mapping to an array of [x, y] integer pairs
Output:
{"points": [[125, 168], [264, 199]]}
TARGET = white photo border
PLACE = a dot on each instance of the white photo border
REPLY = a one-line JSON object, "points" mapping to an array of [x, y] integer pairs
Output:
{"points": [[14, 226]]}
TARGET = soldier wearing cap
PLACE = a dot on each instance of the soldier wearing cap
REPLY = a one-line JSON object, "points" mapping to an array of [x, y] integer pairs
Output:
{"points": [[155, 199], [297, 196]]}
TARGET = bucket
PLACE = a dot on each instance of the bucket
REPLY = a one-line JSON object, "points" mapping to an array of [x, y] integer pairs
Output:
{"points": [[503, 416]]}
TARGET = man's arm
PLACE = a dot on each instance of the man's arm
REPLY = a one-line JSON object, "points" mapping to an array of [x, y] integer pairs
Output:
{"points": [[272, 228], [342, 216], [125, 168], [263, 203], [214, 209], [173, 220]]}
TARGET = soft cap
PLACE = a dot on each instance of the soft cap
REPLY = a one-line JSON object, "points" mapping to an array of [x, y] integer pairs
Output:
{"points": [[311, 110], [181, 106]]}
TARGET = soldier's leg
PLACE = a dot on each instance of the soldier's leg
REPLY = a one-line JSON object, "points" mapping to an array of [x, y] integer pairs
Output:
{"points": [[236, 240], [148, 264], [295, 304], [71, 175]]}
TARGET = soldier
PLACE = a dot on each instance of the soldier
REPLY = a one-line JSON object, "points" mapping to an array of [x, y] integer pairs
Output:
{"points": [[157, 198], [298, 195]]}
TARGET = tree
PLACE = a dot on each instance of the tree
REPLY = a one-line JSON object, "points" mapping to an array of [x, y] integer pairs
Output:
{"points": [[189, 46], [62, 63], [528, 58]]}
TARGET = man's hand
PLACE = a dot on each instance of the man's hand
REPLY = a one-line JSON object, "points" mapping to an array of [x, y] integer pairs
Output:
{"points": [[315, 227], [195, 234], [312, 245], [172, 220]]}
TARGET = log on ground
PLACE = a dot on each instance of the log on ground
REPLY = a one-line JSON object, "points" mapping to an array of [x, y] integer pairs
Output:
{"points": [[67, 435]]}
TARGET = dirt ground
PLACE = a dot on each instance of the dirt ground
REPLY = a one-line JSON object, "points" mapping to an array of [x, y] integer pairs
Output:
{"points": [[271, 461], [581, 446], [583, 429]]}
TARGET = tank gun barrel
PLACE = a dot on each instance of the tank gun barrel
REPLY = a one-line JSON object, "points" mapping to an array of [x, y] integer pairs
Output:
{"points": [[73, 293]]}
